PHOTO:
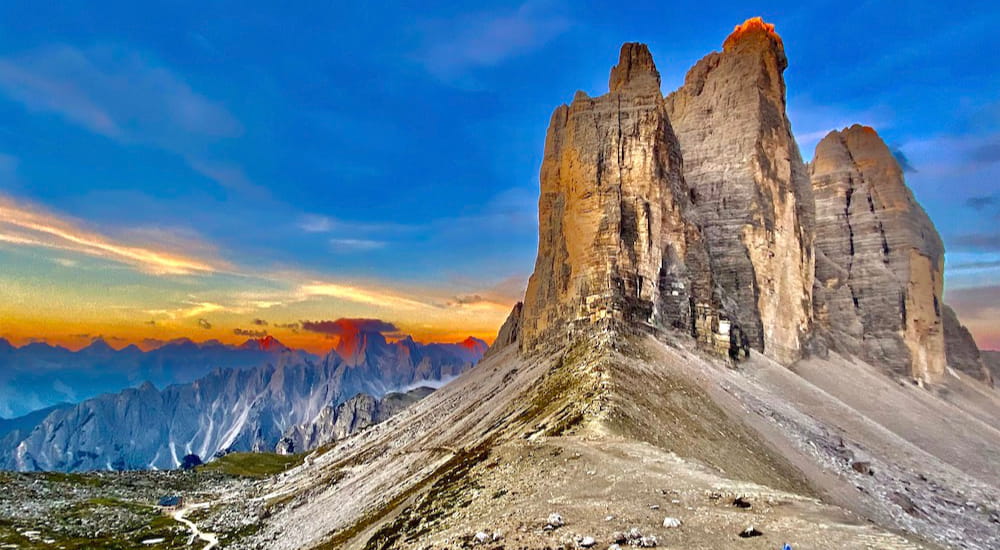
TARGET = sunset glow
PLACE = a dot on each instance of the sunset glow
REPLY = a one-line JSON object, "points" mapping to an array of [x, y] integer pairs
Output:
{"points": [[22, 226], [754, 24]]}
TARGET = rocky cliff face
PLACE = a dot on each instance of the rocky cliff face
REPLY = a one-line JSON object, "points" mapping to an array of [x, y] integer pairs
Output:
{"points": [[617, 246], [696, 212], [961, 351], [355, 414], [509, 331], [879, 260], [749, 187]]}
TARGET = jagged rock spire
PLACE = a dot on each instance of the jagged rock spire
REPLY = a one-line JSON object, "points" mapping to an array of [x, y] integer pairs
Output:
{"points": [[635, 69], [751, 192], [616, 248], [630, 234]]}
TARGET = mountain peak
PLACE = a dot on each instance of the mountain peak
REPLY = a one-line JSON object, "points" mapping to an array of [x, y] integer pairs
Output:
{"points": [[617, 249], [635, 68], [474, 344], [183, 341], [264, 343], [753, 29], [355, 346], [881, 278], [98, 344]]}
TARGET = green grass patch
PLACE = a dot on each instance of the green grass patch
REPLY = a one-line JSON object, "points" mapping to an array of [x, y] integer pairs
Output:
{"points": [[73, 479], [256, 465]]}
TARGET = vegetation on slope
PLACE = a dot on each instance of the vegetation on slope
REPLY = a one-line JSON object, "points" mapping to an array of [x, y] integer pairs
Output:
{"points": [[256, 465]]}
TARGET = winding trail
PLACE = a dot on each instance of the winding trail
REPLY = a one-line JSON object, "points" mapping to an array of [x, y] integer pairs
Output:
{"points": [[210, 539]]}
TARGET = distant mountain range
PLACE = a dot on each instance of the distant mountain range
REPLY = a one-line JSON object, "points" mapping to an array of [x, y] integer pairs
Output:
{"points": [[229, 409], [39, 375]]}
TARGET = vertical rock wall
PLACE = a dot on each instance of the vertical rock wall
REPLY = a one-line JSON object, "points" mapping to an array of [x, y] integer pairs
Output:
{"points": [[751, 191], [879, 259], [616, 246]]}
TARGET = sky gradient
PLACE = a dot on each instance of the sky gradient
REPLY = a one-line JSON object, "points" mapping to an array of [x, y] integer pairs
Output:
{"points": [[176, 169]]}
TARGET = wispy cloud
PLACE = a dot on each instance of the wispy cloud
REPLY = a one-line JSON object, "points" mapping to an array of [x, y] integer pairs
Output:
{"points": [[293, 327], [982, 202], [355, 245], [165, 251], [249, 333], [476, 302], [987, 152], [189, 309], [23, 224], [125, 96], [200, 308], [982, 242], [312, 223], [956, 154], [315, 223], [454, 45], [974, 265], [114, 92], [361, 295]]}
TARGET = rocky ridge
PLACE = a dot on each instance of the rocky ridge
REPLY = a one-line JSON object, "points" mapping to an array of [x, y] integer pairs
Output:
{"points": [[334, 423], [229, 409], [992, 361], [40, 375], [961, 351]]}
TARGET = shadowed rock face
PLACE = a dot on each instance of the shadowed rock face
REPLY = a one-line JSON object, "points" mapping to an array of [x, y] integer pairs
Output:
{"points": [[509, 331], [751, 193], [879, 260], [961, 350], [616, 245]]}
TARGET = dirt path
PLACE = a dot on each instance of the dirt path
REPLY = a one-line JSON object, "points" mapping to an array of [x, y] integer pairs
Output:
{"points": [[210, 539]]}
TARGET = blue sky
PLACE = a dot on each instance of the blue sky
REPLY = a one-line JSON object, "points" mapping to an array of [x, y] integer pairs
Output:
{"points": [[398, 146]]}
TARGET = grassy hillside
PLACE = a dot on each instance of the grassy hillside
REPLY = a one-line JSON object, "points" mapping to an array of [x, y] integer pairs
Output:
{"points": [[255, 465]]}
